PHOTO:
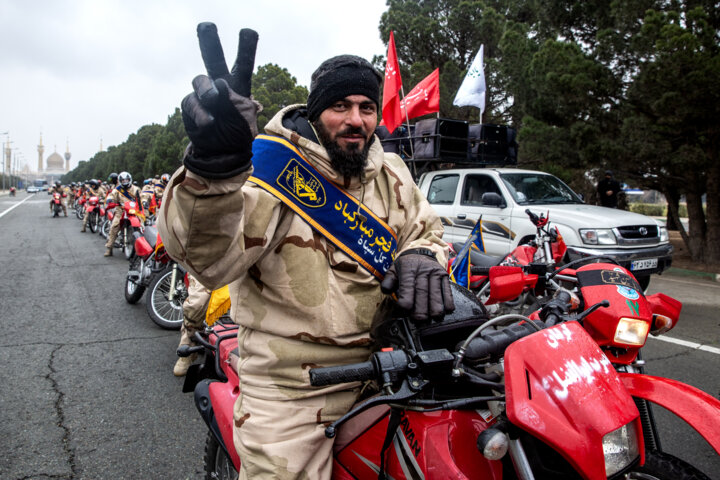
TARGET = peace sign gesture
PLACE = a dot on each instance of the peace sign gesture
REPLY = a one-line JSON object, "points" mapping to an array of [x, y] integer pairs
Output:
{"points": [[219, 116]]}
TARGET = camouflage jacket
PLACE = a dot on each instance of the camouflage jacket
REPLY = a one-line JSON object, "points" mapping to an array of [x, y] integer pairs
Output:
{"points": [[286, 279]]}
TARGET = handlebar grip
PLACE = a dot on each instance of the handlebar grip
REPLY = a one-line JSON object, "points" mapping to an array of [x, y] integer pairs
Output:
{"points": [[187, 350], [355, 372], [495, 343], [485, 271]]}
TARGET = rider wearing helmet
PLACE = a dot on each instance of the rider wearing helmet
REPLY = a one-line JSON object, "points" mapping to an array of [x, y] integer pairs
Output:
{"points": [[123, 192], [93, 189], [147, 193], [160, 185], [57, 188]]}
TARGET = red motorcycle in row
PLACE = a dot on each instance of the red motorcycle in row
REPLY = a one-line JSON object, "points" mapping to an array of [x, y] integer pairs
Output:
{"points": [[462, 399], [152, 268], [57, 204], [132, 221]]}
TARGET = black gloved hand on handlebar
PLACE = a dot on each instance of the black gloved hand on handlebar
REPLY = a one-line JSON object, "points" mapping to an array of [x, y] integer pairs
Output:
{"points": [[219, 116], [421, 283]]}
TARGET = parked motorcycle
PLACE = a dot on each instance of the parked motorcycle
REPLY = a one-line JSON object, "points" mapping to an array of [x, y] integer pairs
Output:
{"points": [[153, 268], [538, 257], [459, 399]]}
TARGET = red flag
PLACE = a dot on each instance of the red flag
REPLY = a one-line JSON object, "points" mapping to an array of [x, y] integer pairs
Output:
{"points": [[392, 116], [424, 98]]}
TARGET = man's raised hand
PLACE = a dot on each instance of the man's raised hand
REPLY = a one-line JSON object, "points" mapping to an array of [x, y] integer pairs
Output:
{"points": [[219, 116]]}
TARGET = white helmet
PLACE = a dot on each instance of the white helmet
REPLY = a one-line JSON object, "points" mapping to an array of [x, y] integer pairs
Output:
{"points": [[125, 179]]}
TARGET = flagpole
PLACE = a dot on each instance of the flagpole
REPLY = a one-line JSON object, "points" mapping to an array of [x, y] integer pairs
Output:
{"points": [[407, 120]]}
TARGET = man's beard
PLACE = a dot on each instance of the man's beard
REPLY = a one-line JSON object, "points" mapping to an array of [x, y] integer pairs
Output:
{"points": [[348, 163]]}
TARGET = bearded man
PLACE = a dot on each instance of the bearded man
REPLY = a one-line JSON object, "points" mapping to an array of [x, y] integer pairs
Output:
{"points": [[305, 224]]}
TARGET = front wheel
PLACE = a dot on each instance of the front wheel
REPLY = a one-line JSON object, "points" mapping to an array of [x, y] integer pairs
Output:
{"points": [[92, 219], [128, 242], [133, 288], [663, 466], [218, 466], [163, 311]]}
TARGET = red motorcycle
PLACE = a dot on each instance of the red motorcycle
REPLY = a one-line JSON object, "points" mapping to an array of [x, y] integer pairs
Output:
{"points": [[152, 268], [56, 204], [133, 219], [537, 258], [459, 399], [92, 206], [12, 191]]}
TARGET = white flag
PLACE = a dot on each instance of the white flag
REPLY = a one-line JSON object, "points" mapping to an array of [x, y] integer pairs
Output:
{"points": [[472, 91]]}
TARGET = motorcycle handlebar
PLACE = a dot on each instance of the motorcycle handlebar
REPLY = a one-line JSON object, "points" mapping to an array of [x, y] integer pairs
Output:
{"points": [[187, 350], [495, 343], [355, 372]]}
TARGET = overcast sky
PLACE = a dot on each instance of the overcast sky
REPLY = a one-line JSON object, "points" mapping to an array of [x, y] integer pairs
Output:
{"points": [[85, 70]]}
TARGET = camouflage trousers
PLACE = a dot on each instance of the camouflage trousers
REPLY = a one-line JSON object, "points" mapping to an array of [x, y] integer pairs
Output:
{"points": [[194, 308], [280, 420], [114, 227]]}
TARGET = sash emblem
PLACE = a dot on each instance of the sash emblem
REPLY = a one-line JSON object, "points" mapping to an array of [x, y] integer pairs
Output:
{"points": [[302, 185]]}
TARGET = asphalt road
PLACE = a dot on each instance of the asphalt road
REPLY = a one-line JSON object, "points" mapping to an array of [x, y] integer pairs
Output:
{"points": [[87, 391]]}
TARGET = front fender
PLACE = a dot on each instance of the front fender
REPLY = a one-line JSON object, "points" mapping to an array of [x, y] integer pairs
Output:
{"points": [[699, 409]]}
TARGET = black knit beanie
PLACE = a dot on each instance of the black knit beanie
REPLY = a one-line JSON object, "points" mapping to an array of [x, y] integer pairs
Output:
{"points": [[339, 77]]}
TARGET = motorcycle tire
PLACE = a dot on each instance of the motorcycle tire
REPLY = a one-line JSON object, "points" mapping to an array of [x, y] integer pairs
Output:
{"points": [[105, 229], [92, 220], [79, 212], [133, 291], [663, 466], [164, 313], [218, 466], [128, 242]]}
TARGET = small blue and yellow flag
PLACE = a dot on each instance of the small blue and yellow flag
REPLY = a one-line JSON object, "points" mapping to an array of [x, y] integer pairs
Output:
{"points": [[460, 272]]}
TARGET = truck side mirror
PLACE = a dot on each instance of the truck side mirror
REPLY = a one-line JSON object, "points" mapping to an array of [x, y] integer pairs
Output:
{"points": [[493, 199]]}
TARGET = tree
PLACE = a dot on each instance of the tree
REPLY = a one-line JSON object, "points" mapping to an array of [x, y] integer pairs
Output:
{"points": [[590, 85], [275, 89]]}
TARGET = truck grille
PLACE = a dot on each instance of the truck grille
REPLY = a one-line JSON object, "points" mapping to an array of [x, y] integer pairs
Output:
{"points": [[637, 234]]}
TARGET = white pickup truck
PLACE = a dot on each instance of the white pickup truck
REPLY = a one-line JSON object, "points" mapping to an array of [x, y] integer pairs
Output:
{"points": [[501, 196]]}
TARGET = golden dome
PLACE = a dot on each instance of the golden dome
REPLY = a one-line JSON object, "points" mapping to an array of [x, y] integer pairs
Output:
{"points": [[55, 162]]}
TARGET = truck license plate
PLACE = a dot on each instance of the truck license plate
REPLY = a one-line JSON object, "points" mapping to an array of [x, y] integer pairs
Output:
{"points": [[644, 264]]}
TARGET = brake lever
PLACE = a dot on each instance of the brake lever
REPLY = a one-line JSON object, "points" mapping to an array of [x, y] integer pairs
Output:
{"points": [[408, 389]]}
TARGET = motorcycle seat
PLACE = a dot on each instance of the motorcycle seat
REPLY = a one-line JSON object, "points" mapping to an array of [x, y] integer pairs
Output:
{"points": [[151, 235], [479, 259]]}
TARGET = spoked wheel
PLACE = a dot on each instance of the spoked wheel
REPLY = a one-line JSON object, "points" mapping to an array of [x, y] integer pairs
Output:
{"points": [[92, 219], [163, 311], [105, 228], [218, 466], [662, 466], [79, 212], [133, 288], [128, 242]]}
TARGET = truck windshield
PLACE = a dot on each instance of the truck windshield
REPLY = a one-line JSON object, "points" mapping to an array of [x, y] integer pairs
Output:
{"points": [[533, 189]]}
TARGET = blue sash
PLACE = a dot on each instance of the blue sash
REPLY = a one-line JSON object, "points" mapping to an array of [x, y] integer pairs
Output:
{"points": [[282, 170]]}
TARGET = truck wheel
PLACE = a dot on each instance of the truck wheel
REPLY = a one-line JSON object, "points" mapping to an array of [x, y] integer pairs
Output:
{"points": [[644, 281]]}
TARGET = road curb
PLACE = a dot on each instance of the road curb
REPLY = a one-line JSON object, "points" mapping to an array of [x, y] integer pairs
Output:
{"points": [[682, 272]]}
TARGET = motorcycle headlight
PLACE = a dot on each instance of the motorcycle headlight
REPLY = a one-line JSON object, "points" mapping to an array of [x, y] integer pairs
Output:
{"points": [[598, 236], [664, 237], [620, 448], [631, 331]]}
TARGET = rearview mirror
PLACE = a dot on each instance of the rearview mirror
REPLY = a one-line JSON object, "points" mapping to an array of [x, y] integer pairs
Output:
{"points": [[493, 199]]}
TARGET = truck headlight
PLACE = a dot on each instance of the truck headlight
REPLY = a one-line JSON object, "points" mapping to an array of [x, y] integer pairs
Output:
{"points": [[620, 448], [598, 236], [664, 237]]}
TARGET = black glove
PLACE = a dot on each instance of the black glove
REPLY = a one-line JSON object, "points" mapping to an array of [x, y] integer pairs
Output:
{"points": [[422, 285], [219, 116]]}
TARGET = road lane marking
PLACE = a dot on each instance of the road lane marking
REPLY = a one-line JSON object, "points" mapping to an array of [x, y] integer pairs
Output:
{"points": [[685, 343], [15, 206], [707, 282]]}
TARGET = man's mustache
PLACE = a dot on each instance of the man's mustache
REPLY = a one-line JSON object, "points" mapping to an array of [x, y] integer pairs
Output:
{"points": [[353, 131]]}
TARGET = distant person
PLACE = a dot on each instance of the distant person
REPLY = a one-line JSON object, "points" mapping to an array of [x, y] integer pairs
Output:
{"points": [[608, 189]]}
